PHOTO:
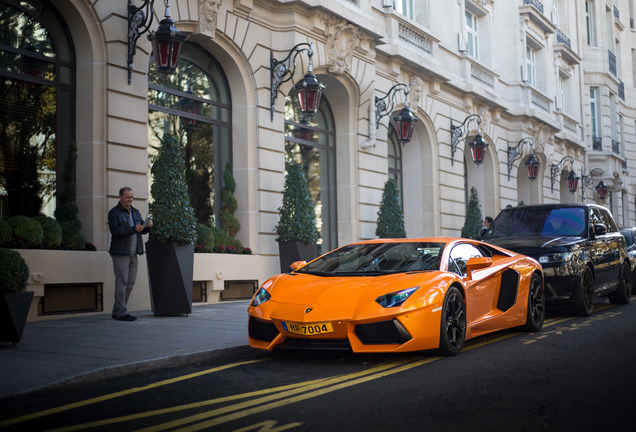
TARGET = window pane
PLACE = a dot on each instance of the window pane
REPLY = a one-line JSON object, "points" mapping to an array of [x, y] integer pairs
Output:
{"points": [[186, 104]]}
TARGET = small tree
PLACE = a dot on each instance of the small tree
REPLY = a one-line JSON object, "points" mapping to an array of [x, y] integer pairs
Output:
{"points": [[390, 216], [172, 215], [228, 203], [473, 222], [66, 212], [297, 217]]}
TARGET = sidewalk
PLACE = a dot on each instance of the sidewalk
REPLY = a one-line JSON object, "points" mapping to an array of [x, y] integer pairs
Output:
{"points": [[90, 348]]}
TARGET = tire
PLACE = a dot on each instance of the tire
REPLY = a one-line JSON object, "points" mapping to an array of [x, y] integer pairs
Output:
{"points": [[453, 323], [585, 295], [624, 291], [536, 305]]}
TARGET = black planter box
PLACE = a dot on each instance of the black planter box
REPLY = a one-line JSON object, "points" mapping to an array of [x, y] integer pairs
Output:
{"points": [[14, 310], [293, 251], [170, 272]]}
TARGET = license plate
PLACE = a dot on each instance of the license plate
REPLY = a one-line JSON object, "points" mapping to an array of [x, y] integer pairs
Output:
{"points": [[308, 329]]}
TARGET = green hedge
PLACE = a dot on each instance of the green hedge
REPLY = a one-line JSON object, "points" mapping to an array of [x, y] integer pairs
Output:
{"points": [[14, 272]]}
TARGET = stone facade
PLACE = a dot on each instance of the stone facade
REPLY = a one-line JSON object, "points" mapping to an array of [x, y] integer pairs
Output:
{"points": [[530, 77]]}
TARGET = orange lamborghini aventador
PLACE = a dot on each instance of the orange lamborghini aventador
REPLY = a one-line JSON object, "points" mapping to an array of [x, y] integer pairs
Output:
{"points": [[397, 295]]}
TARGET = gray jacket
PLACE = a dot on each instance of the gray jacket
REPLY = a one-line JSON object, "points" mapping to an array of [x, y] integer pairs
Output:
{"points": [[121, 231]]}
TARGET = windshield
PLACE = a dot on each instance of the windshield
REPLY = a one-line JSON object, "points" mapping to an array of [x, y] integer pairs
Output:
{"points": [[539, 221], [376, 259]]}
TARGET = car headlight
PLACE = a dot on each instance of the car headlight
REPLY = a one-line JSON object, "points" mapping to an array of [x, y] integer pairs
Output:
{"points": [[396, 298], [260, 297], [556, 258]]}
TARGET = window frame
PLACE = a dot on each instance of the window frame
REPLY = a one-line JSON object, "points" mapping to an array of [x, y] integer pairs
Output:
{"points": [[472, 33]]}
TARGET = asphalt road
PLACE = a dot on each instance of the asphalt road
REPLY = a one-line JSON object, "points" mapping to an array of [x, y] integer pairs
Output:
{"points": [[577, 374]]}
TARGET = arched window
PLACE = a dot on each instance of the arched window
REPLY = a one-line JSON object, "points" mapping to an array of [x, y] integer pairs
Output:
{"points": [[37, 66], [312, 143], [194, 104], [395, 161]]}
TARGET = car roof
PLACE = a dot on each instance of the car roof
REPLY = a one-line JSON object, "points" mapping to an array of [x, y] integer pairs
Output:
{"points": [[560, 205], [412, 240]]}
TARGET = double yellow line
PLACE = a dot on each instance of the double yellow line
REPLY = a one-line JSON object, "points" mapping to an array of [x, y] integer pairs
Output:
{"points": [[258, 401]]}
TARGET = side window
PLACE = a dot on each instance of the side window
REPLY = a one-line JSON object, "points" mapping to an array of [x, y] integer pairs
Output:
{"points": [[608, 220], [460, 255], [595, 218]]}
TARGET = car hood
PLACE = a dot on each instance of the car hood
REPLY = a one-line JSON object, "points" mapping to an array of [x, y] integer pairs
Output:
{"points": [[345, 297], [304, 288], [528, 245]]}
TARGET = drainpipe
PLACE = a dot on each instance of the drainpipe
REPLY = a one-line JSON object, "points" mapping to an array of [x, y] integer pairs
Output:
{"points": [[370, 143]]}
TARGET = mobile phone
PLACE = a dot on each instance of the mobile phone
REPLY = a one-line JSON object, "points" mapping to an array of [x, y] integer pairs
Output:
{"points": [[146, 222]]}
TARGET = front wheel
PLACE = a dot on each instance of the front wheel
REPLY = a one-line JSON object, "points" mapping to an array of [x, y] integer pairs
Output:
{"points": [[453, 325], [535, 314], [624, 291], [585, 295]]}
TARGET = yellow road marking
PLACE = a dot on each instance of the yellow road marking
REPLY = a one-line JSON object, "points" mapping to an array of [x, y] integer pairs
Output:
{"points": [[199, 404], [121, 393]]}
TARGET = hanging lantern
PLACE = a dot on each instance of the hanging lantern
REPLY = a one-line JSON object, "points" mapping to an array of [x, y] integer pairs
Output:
{"points": [[404, 125], [601, 189], [309, 94], [167, 42], [532, 166], [189, 106], [573, 181], [478, 148]]}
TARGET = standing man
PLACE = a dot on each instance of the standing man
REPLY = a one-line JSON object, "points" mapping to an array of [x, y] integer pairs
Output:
{"points": [[126, 227], [485, 228]]}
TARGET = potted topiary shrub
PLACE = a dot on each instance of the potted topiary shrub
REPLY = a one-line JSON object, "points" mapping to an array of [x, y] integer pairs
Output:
{"points": [[390, 217], [296, 228], [473, 223], [170, 246], [14, 300]]}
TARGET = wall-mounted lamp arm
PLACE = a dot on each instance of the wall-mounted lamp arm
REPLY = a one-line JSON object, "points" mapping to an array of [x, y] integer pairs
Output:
{"points": [[460, 133], [555, 170], [516, 152], [283, 70], [139, 22], [382, 108]]}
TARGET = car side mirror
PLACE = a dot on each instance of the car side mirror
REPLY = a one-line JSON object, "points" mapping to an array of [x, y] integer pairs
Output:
{"points": [[297, 264], [476, 264], [599, 229]]}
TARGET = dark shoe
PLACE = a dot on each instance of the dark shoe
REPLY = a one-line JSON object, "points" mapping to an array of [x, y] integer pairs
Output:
{"points": [[127, 317], [114, 316]]}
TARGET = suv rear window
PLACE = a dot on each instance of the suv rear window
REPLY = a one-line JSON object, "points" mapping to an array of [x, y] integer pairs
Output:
{"points": [[533, 221]]}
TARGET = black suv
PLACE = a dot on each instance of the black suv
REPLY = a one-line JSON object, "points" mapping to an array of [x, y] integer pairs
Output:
{"points": [[579, 246]]}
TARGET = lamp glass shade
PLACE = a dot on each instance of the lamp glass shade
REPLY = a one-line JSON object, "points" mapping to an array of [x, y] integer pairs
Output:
{"points": [[478, 149], [189, 106], [573, 181], [601, 189], [167, 42], [309, 94], [532, 166], [404, 125]]}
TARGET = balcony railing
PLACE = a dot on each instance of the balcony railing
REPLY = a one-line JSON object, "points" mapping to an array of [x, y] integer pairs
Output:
{"points": [[597, 143], [616, 146], [621, 90], [612, 63], [562, 38], [534, 3]]}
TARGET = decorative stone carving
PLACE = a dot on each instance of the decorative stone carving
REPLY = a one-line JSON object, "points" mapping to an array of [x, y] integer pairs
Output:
{"points": [[416, 86], [208, 14], [342, 41]]}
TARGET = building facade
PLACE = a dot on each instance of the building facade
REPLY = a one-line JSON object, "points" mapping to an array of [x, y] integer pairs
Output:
{"points": [[555, 79]]}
